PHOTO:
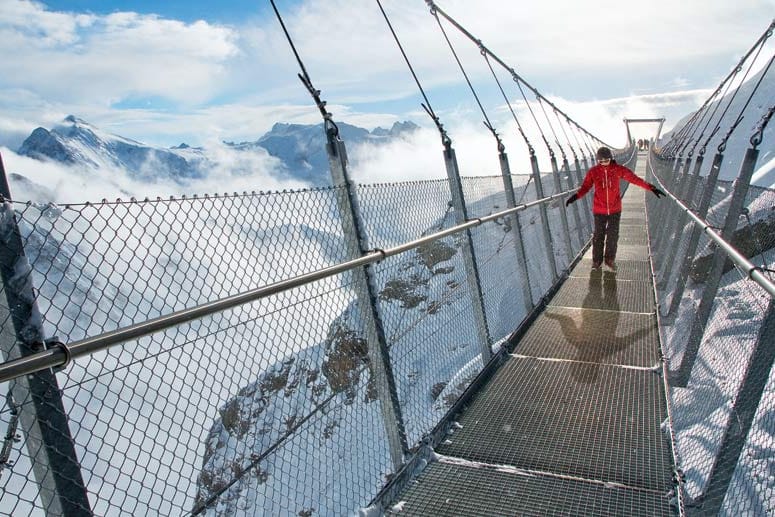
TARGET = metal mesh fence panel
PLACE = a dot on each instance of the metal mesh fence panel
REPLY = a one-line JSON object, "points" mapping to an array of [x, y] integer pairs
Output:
{"points": [[217, 415], [706, 407], [398, 212], [752, 488], [433, 342], [710, 410], [538, 265], [561, 251], [99, 267], [270, 406], [496, 255]]}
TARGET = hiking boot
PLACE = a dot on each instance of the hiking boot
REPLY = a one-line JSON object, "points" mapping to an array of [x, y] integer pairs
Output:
{"points": [[610, 264]]}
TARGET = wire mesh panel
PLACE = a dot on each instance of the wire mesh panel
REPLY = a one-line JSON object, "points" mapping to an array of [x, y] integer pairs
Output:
{"points": [[537, 263], [270, 406], [398, 212], [97, 267], [468, 489], [561, 251], [496, 253], [585, 420], [433, 342], [723, 467], [220, 415], [705, 407]]}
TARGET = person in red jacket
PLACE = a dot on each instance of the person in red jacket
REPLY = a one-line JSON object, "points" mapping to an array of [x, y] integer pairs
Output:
{"points": [[607, 204]]}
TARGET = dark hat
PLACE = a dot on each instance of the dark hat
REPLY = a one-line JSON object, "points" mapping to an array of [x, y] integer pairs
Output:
{"points": [[604, 153]]}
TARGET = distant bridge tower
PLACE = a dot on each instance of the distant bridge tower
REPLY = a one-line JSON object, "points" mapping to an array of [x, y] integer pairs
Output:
{"points": [[627, 122]]}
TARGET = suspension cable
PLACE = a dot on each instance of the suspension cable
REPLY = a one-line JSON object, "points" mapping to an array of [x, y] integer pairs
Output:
{"points": [[508, 103], [739, 119], [565, 134], [551, 128], [677, 140], [515, 77], [696, 121], [732, 98], [579, 143], [711, 109], [676, 145], [487, 122], [305, 78], [765, 35], [427, 105], [482, 47], [757, 136]]}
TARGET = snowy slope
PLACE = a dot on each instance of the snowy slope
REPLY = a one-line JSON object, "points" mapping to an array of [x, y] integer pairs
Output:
{"points": [[732, 105]]}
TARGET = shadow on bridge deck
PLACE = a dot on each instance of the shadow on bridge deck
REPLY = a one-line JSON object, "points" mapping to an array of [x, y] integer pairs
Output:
{"points": [[570, 423]]}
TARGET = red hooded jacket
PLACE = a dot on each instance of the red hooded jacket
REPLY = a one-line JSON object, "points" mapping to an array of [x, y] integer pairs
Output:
{"points": [[605, 178]]}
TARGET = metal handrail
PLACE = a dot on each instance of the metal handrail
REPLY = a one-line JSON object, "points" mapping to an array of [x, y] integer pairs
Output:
{"points": [[60, 355], [752, 271]]}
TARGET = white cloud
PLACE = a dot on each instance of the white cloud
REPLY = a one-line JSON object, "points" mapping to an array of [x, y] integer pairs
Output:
{"points": [[232, 171], [71, 58], [205, 81]]}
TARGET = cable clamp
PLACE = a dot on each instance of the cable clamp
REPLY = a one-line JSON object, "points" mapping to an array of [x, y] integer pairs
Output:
{"points": [[759, 269], [54, 342], [381, 252]]}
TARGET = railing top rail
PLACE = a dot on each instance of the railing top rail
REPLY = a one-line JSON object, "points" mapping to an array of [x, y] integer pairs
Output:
{"points": [[60, 354]]}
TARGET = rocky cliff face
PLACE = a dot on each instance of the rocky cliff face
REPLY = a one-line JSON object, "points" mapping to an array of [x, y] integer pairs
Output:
{"points": [[333, 379], [75, 141]]}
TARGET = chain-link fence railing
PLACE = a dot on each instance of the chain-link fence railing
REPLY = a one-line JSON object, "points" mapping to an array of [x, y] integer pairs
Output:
{"points": [[718, 331], [273, 405]]}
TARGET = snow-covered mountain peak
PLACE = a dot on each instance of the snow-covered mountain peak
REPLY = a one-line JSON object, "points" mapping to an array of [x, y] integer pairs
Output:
{"points": [[297, 151]]}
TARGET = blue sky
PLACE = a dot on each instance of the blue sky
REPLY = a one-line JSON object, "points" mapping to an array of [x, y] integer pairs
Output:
{"points": [[193, 71], [232, 11]]}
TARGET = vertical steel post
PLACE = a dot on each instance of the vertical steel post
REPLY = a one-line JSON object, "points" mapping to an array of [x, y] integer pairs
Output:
{"points": [[679, 228], [563, 213], [694, 238], [41, 412], [549, 245], [469, 255], [719, 258], [675, 225], [519, 245], [667, 217], [667, 180], [366, 289], [587, 200], [587, 214], [575, 206], [738, 426]]}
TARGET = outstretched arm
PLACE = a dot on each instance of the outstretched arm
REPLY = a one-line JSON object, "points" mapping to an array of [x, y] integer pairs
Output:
{"points": [[633, 178]]}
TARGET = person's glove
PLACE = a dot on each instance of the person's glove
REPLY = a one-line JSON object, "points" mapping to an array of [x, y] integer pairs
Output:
{"points": [[656, 191], [571, 199]]}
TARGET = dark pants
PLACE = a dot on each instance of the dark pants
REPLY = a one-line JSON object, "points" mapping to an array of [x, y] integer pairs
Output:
{"points": [[606, 233]]}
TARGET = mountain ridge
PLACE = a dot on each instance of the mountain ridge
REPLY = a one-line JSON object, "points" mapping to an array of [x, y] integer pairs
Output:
{"points": [[300, 149]]}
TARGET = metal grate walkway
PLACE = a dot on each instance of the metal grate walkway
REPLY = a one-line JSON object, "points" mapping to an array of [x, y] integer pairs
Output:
{"points": [[571, 423]]}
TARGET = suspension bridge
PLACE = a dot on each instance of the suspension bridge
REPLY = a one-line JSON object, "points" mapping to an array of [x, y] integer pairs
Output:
{"points": [[424, 348]]}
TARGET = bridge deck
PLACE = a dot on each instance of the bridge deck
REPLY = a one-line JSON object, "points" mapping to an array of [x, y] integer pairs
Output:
{"points": [[570, 423]]}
